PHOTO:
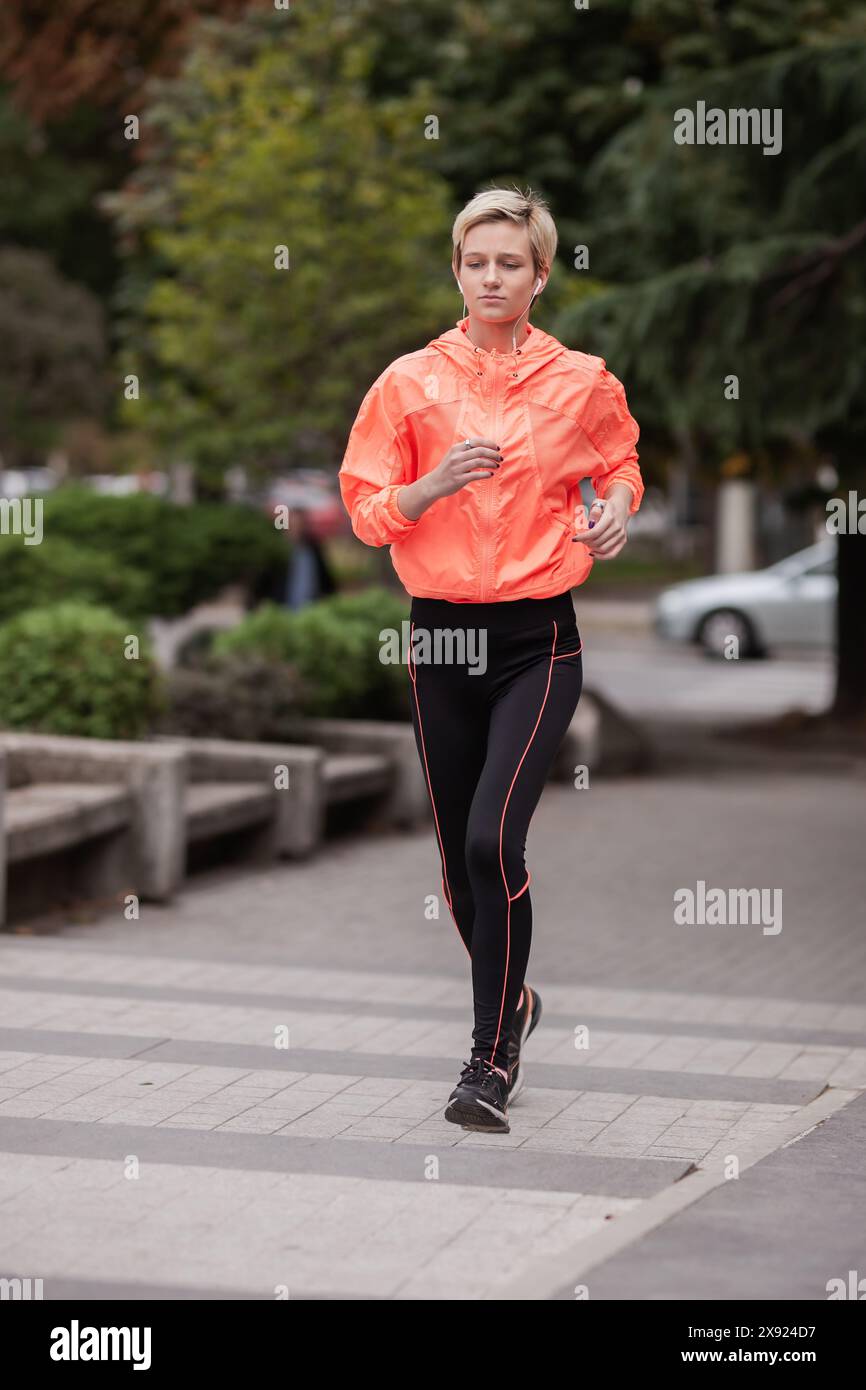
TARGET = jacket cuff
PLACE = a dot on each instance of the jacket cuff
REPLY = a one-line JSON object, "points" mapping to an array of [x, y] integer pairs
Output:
{"points": [[634, 485], [400, 523]]}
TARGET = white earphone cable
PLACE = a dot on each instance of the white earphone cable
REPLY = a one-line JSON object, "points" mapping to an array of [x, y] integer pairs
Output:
{"points": [[519, 317]]}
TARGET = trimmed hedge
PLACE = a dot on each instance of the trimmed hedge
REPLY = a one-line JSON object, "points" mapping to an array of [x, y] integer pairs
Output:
{"points": [[34, 576], [334, 646], [182, 554], [238, 698], [63, 670]]}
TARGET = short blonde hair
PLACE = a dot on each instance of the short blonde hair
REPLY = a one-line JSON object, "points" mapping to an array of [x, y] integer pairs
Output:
{"points": [[526, 209]]}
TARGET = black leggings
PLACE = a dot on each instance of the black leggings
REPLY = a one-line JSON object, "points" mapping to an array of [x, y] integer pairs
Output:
{"points": [[493, 687]]}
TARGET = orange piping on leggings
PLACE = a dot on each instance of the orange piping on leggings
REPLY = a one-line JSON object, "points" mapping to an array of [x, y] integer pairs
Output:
{"points": [[523, 889], [501, 829], [445, 884], [562, 654]]}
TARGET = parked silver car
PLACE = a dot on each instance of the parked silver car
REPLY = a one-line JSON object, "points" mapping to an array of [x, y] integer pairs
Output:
{"points": [[793, 601]]}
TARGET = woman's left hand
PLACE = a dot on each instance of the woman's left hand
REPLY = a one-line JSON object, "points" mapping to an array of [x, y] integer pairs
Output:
{"points": [[608, 535]]}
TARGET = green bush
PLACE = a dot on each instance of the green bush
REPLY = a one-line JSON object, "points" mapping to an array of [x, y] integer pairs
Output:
{"points": [[334, 646], [33, 576], [183, 554], [63, 671], [237, 698]]}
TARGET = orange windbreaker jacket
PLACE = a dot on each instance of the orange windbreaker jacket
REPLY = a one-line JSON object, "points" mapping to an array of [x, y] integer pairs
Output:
{"points": [[558, 416]]}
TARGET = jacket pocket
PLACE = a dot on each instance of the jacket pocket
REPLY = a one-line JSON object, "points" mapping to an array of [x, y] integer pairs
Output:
{"points": [[570, 645], [537, 478]]}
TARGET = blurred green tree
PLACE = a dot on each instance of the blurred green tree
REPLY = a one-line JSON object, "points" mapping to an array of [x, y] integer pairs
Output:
{"points": [[268, 140], [53, 358], [721, 261]]}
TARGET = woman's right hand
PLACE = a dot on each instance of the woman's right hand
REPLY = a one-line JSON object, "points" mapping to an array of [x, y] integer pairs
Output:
{"points": [[462, 465]]}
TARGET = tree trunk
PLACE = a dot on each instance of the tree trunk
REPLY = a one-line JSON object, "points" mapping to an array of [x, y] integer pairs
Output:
{"points": [[850, 700], [181, 483]]}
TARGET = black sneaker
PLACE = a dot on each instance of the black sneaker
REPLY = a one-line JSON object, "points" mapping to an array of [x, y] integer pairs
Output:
{"points": [[525, 1019], [480, 1099], [468, 1069]]}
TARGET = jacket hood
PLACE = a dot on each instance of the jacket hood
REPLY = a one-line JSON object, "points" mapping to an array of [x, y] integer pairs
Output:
{"points": [[535, 351]]}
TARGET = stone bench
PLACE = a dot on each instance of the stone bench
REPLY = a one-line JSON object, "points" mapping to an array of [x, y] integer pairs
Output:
{"points": [[104, 817], [602, 739], [352, 776], [216, 808], [51, 816], [275, 787], [403, 801], [216, 803]]}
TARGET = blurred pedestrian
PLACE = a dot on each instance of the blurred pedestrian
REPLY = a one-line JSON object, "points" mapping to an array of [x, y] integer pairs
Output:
{"points": [[308, 576]]}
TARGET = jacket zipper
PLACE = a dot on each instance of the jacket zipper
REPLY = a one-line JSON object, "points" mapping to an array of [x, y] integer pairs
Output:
{"points": [[485, 538]]}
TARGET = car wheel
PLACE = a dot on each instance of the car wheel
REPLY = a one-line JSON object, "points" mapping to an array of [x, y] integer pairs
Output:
{"points": [[717, 629]]}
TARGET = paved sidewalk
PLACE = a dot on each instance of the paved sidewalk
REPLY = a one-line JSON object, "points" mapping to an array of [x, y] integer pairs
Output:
{"points": [[157, 1140]]}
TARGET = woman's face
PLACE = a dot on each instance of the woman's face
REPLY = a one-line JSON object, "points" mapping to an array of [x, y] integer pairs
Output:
{"points": [[497, 261]]}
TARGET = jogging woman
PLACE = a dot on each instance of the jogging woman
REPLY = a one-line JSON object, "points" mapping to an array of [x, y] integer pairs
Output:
{"points": [[466, 458]]}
